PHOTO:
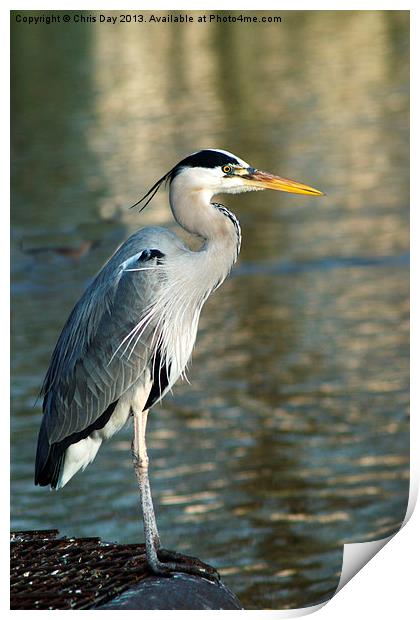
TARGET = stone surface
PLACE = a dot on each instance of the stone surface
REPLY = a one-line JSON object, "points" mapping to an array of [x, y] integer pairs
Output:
{"points": [[180, 591]]}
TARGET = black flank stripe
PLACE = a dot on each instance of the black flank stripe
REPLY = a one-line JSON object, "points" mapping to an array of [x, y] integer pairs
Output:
{"points": [[160, 380]]}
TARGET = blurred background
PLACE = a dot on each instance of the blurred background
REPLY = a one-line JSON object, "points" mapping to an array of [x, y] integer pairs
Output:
{"points": [[292, 437]]}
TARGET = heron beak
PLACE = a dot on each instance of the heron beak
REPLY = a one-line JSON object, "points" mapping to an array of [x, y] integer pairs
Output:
{"points": [[265, 180]]}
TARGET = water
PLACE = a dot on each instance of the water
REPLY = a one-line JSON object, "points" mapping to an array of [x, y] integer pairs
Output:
{"points": [[292, 437]]}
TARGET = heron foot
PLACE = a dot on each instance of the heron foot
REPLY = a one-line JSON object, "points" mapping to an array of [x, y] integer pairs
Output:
{"points": [[168, 562]]}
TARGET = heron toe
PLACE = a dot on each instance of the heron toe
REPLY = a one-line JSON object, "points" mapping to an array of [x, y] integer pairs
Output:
{"points": [[169, 562]]}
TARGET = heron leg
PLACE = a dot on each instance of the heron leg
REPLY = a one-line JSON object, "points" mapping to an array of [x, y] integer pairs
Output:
{"points": [[141, 467], [160, 561]]}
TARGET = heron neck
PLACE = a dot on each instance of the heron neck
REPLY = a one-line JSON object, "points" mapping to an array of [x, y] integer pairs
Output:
{"points": [[219, 229]]}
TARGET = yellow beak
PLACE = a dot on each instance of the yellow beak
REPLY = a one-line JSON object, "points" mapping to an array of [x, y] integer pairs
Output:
{"points": [[270, 181]]}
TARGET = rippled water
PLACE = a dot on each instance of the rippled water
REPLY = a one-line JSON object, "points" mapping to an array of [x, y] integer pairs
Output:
{"points": [[292, 437]]}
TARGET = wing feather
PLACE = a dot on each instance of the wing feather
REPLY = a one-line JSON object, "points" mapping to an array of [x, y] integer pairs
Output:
{"points": [[86, 375]]}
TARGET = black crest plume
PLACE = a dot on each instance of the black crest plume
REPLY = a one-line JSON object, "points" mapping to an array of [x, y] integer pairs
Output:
{"points": [[152, 191]]}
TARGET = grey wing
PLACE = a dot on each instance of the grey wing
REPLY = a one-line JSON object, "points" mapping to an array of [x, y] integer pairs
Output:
{"points": [[94, 362]]}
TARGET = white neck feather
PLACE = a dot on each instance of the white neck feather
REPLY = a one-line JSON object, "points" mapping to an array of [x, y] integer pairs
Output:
{"points": [[193, 210], [192, 275]]}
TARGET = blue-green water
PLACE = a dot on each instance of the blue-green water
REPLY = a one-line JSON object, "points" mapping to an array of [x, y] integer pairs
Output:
{"points": [[292, 436]]}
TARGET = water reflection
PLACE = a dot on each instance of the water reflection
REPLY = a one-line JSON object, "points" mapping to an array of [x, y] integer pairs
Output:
{"points": [[292, 437]]}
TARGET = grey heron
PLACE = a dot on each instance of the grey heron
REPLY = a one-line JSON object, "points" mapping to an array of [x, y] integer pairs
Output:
{"points": [[131, 334]]}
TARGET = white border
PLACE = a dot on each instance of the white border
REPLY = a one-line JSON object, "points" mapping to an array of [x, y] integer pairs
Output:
{"points": [[386, 588]]}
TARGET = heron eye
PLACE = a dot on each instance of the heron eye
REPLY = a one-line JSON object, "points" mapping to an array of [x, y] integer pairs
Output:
{"points": [[228, 169]]}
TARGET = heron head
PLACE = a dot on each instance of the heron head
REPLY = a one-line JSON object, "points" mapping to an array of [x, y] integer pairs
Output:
{"points": [[219, 172], [222, 172]]}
